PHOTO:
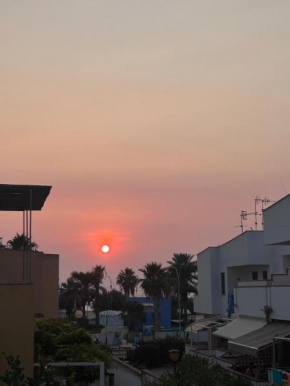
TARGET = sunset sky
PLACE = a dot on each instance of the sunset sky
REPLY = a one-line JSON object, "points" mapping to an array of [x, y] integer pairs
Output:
{"points": [[155, 121]]}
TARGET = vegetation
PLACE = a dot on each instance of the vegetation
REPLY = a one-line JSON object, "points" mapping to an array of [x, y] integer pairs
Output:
{"points": [[85, 288], [134, 313], [64, 341], [14, 375], [140, 353], [148, 355], [155, 285], [20, 242], [128, 281], [193, 371], [182, 264], [81, 289]]}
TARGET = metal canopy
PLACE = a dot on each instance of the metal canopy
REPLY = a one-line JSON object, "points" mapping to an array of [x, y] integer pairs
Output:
{"points": [[238, 327], [23, 197], [257, 340]]}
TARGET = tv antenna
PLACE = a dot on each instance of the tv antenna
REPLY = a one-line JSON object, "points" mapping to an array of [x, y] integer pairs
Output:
{"points": [[243, 216]]}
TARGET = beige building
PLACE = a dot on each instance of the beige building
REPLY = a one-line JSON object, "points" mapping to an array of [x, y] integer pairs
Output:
{"points": [[44, 277], [17, 324], [28, 280]]}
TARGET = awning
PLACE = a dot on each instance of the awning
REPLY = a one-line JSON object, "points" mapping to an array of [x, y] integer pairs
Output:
{"points": [[239, 327], [204, 323], [198, 326], [23, 197], [255, 341]]}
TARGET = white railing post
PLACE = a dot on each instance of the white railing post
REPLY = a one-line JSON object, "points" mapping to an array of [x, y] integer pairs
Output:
{"points": [[102, 374]]}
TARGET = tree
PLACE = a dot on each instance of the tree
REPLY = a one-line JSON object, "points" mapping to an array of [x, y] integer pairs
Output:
{"points": [[187, 271], [85, 280], [98, 274], [21, 242], [134, 313], [70, 296], [128, 281], [155, 285]]}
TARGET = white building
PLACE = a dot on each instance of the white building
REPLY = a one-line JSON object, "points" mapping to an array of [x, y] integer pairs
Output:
{"points": [[247, 280], [248, 261]]}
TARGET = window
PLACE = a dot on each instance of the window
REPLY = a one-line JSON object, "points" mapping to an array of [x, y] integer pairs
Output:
{"points": [[223, 283], [265, 275], [255, 275]]}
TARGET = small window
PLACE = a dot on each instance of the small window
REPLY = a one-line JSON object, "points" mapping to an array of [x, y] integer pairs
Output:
{"points": [[254, 275], [265, 275], [223, 283]]}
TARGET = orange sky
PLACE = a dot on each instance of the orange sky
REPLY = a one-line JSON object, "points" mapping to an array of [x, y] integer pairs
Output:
{"points": [[155, 122]]}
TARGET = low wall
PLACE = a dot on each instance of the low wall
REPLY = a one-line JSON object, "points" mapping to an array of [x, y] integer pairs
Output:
{"points": [[125, 375]]}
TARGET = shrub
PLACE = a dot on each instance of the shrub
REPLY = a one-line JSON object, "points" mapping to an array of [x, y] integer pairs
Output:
{"points": [[169, 343], [147, 354]]}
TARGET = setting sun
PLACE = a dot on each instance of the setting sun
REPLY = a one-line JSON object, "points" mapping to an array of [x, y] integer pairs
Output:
{"points": [[105, 248]]}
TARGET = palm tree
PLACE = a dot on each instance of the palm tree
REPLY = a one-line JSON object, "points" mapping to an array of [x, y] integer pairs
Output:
{"points": [[155, 285], [98, 273], [70, 295], [187, 271], [85, 280], [21, 242], [127, 280]]}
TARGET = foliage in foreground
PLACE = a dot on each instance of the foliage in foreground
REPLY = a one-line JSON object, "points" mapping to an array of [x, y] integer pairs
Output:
{"points": [[196, 372], [14, 375], [159, 354], [62, 340]]}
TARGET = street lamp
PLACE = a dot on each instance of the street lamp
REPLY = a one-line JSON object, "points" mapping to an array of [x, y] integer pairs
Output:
{"points": [[79, 314], [178, 294], [111, 287], [174, 357]]}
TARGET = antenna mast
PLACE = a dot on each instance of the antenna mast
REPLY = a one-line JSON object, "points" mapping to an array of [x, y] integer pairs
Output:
{"points": [[265, 201]]}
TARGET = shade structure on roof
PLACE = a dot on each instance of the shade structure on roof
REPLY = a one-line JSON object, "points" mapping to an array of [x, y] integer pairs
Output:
{"points": [[257, 340], [110, 313], [198, 326], [23, 197], [239, 327]]}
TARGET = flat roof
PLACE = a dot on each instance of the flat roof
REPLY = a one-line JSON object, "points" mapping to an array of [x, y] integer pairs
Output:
{"points": [[17, 197]]}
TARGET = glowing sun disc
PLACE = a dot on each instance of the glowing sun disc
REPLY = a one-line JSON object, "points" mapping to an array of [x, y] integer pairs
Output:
{"points": [[105, 248]]}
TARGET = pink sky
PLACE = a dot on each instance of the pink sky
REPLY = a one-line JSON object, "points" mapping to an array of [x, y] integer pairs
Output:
{"points": [[155, 122]]}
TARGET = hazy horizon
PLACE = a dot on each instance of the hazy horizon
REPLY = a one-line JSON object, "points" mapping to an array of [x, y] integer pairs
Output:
{"points": [[156, 123]]}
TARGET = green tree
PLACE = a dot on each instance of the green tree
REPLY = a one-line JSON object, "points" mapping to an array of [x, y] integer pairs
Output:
{"points": [[98, 274], [134, 313], [62, 340], [155, 284], [21, 242], [85, 281], [183, 264], [70, 296], [128, 281], [113, 300]]}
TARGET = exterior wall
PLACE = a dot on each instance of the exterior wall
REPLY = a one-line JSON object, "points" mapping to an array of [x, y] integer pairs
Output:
{"points": [[44, 274], [17, 324], [208, 299], [251, 300], [237, 259], [277, 222]]}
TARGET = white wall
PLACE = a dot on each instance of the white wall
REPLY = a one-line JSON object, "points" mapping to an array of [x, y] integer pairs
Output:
{"points": [[237, 258], [277, 222], [251, 300]]}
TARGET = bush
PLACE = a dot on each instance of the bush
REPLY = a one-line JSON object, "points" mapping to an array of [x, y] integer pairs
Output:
{"points": [[147, 354], [193, 371], [79, 336], [169, 343]]}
